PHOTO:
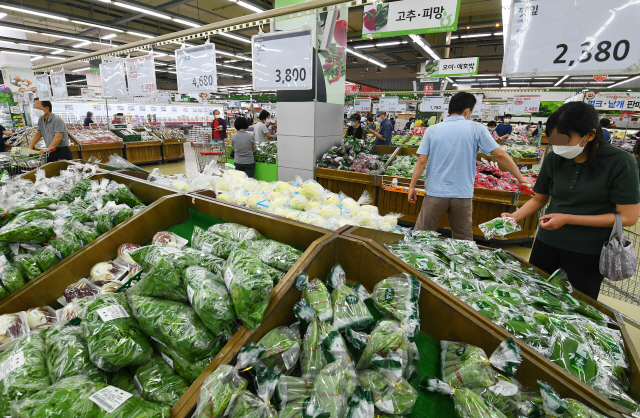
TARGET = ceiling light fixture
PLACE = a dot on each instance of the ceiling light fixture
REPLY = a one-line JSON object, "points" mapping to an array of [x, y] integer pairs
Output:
{"points": [[81, 44], [364, 46], [388, 44], [498, 33], [3, 15], [96, 26], [56, 58], [247, 6], [50, 16], [364, 57], [235, 68], [185, 22], [81, 69], [64, 37], [57, 51], [19, 30], [237, 38], [561, 80], [422, 44], [142, 35], [542, 82], [475, 35], [109, 36], [37, 58], [141, 10], [625, 81]]}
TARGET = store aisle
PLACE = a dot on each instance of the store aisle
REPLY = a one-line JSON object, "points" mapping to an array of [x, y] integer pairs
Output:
{"points": [[188, 166]]}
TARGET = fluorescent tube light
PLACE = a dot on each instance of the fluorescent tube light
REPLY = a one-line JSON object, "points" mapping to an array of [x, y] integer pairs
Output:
{"points": [[96, 26], [21, 53], [364, 46], [56, 58], [364, 57], [17, 9], [64, 37], [388, 44], [247, 6], [81, 69], [37, 58], [142, 35], [420, 42], [622, 82], [81, 44], [109, 36], [561, 80], [185, 22], [235, 68], [141, 10], [3, 15], [237, 38], [475, 35], [19, 30], [57, 51]]}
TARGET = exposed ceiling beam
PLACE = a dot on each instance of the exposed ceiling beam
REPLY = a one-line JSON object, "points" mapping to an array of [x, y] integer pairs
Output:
{"points": [[40, 44]]}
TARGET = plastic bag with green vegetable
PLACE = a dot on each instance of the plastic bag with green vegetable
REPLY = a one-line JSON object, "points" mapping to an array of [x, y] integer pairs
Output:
{"points": [[211, 243], [248, 405], [278, 350], [555, 406], [398, 398], [349, 309], [467, 403], [289, 389], [124, 195], [499, 227], [85, 233], [68, 355], [36, 231], [397, 298], [34, 202], [161, 281], [387, 350], [273, 253], [331, 389], [150, 255], [187, 369], [315, 293], [46, 257], [464, 365], [572, 354], [11, 277], [360, 404], [27, 265], [123, 379], [65, 241], [322, 344], [157, 382], [235, 232], [217, 391]]}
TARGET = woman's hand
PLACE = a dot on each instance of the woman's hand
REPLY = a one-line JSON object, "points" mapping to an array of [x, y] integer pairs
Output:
{"points": [[554, 221], [510, 215]]}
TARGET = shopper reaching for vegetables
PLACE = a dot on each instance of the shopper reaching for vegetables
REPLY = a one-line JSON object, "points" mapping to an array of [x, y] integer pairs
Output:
{"points": [[589, 181]]}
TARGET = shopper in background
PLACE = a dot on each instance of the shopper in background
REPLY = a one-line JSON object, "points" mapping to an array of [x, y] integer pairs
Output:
{"points": [[636, 153], [52, 129], [88, 120], [371, 125], [604, 124], [491, 125], [355, 129], [537, 134], [261, 132], [385, 132], [504, 129], [219, 127], [586, 181], [6, 132], [243, 144], [451, 148]]}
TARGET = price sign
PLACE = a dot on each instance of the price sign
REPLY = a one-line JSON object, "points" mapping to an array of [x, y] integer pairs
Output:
{"points": [[282, 60], [113, 79], [526, 104], [142, 108], [605, 42], [196, 69], [141, 75], [164, 97], [153, 108], [44, 90], [120, 108], [362, 105], [59, 85], [432, 104], [388, 104], [131, 108], [90, 92]]}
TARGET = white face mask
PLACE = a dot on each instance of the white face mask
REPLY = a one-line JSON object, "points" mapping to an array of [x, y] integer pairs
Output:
{"points": [[38, 112], [569, 151], [507, 120], [379, 119], [216, 116], [352, 123]]}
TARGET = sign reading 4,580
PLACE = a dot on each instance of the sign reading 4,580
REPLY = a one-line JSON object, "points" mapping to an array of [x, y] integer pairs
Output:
{"points": [[605, 41]]}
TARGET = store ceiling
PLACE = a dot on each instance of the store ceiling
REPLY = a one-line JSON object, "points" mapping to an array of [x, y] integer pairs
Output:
{"points": [[56, 29]]}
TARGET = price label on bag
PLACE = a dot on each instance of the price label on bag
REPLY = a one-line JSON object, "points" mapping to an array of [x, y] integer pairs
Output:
{"points": [[110, 398], [282, 60], [13, 362], [141, 75], [112, 312], [432, 104], [196, 69], [607, 40]]}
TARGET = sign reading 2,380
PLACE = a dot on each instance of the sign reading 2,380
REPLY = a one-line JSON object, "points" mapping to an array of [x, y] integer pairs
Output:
{"points": [[601, 52]]}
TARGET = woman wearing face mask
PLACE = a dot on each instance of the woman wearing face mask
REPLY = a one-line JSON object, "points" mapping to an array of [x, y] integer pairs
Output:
{"points": [[355, 129], [491, 125], [588, 181], [219, 127]]}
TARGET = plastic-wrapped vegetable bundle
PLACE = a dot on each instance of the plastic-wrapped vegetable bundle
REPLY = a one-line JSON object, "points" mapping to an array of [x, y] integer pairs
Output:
{"points": [[250, 287], [176, 325], [572, 354], [211, 243], [499, 227], [85, 233], [210, 299], [238, 253], [101, 217], [208, 261], [65, 241], [68, 355], [465, 365], [28, 373], [218, 390], [124, 195], [248, 405], [80, 397], [34, 202], [509, 399], [294, 409], [27, 265], [278, 350], [150, 255], [161, 281], [187, 369], [331, 389], [120, 213], [466, 402], [235, 232], [486, 306], [123, 379], [397, 298], [349, 309], [35, 231], [555, 406], [315, 293], [113, 335], [322, 344], [388, 350], [289, 389], [273, 253], [157, 382]]}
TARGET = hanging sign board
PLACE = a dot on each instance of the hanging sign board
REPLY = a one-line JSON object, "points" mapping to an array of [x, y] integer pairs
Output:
{"points": [[613, 100], [44, 90], [409, 16], [388, 104], [401, 107], [113, 79], [141, 75], [432, 104], [362, 105], [605, 41], [508, 108], [164, 97], [451, 67], [282, 60], [59, 85], [526, 104], [196, 69], [90, 92]]}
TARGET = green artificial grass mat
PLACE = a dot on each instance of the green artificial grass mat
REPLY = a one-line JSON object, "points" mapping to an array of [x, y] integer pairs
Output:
{"points": [[204, 221]]}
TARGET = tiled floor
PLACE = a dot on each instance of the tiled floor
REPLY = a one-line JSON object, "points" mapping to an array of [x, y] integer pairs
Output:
{"points": [[188, 166]]}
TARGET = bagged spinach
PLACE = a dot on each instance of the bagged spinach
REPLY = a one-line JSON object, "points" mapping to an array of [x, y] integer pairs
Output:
{"points": [[11, 277], [161, 281], [120, 213], [317, 296], [34, 202], [397, 298], [349, 309], [35, 231], [248, 405], [185, 368], [464, 365], [211, 243], [32, 215], [114, 338], [273, 253], [322, 345], [150, 255], [124, 195], [235, 232], [101, 217], [208, 261], [210, 298], [27, 265], [65, 241], [68, 355], [217, 391], [289, 389], [157, 382], [176, 325], [278, 350], [85, 233], [46, 257]]}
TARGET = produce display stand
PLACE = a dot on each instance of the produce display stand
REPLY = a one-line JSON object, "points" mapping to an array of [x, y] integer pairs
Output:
{"points": [[143, 152], [534, 363], [172, 150], [101, 151], [348, 182], [52, 169], [527, 162], [76, 154], [442, 318]]}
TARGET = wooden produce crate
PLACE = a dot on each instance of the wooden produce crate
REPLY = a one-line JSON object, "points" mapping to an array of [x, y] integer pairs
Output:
{"points": [[172, 150], [378, 239], [75, 152], [391, 200], [101, 151], [147, 152], [350, 183], [442, 318]]}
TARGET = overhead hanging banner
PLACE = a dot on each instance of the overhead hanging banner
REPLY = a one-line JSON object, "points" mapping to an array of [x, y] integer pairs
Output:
{"points": [[282, 60], [59, 85], [362, 105], [451, 67], [508, 108], [196, 69], [90, 92], [113, 79], [526, 104], [44, 89], [388, 104], [432, 104], [613, 101], [409, 17], [141, 75], [20, 80], [605, 41]]}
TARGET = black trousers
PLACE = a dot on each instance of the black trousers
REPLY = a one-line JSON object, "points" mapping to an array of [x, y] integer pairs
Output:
{"points": [[583, 269], [61, 153], [249, 169]]}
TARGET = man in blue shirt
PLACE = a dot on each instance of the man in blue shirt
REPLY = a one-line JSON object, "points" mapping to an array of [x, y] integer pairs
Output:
{"points": [[604, 124], [504, 129], [384, 134], [451, 148]]}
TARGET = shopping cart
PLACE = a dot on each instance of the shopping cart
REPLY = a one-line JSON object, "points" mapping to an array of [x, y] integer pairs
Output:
{"points": [[206, 153], [26, 159]]}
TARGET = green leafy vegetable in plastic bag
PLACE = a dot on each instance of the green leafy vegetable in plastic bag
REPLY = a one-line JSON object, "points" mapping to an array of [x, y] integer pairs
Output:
{"points": [[397, 298], [235, 232], [464, 365], [27, 265], [66, 243], [68, 355], [248, 405], [217, 391], [10, 275], [161, 281], [124, 195], [45, 258], [273, 253], [349, 309], [187, 369], [210, 243], [278, 350], [36, 231], [157, 382]]}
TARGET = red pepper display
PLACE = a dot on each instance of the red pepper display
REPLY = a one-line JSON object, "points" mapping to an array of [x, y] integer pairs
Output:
{"points": [[340, 32], [369, 20]]}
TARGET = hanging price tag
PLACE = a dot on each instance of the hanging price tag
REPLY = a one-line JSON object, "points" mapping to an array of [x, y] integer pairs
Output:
{"points": [[196, 69], [362, 105], [282, 60], [59, 85], [44, 91], [605, 42], [113, 79], [141, 75], [432, 104], [389, 104], [526, 104]]}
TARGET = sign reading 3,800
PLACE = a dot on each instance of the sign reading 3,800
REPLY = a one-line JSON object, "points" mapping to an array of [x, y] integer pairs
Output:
{"points": [[605, 41], [282, 60]]}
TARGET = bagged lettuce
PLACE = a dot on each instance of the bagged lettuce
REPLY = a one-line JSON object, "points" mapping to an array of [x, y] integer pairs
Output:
{"points": [[217, 391], [397, 298], [322, 345], [235, 232], [273, 253], [210, 299], [68, 355], [114, 338], [176, 325], [150, 255], [161, 281], [387, 350], [157, 382], [278, 350], [289, 389], [467, 403], [211, 243], [187, 369], [317, 296], [331, 390], [349, 309], [248, 405]]}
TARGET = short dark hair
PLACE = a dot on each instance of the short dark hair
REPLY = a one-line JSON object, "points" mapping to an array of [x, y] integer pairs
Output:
{"points": [[604, 122], [507, 115], [89, 114], [263, 114], [216, 110], [370, 118], [241, 123], [492, 123], [461, 101], [356, 117], [45, 103]]}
